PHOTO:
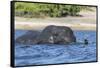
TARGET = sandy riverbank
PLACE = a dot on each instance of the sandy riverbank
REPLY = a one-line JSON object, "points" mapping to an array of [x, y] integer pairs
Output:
{"points": [[86, 22], [40, 25]]}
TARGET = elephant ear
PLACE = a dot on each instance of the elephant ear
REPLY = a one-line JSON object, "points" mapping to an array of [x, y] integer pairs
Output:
{"points": [[69, 34]]}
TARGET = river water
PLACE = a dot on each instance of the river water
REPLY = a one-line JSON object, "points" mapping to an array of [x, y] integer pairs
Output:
{"points": [[56, 54]]}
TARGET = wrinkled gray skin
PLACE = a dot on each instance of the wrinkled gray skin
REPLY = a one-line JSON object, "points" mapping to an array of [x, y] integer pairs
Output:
{"points": [[51, 34], [28, 38]]}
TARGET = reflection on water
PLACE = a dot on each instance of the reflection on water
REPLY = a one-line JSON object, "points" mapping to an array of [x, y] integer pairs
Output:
{"points": [[54, 54]]}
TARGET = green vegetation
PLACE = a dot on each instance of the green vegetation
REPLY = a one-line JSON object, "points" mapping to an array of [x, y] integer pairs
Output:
{"points": [[45, 10]]}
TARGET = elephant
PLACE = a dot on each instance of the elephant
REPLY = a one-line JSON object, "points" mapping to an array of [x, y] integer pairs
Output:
{"points": [[28, 38], [49, 35]]}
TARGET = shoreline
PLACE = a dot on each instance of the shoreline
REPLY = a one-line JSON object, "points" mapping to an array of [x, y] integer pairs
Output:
{"points": [[41, 26], [86, 22]]}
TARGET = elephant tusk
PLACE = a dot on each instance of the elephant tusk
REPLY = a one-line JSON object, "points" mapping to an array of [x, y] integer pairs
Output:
{"points": [[51, 39]]}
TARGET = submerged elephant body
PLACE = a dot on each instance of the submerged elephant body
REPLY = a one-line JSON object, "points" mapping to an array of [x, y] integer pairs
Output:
{"points": [[51, 34], [28, 38]]}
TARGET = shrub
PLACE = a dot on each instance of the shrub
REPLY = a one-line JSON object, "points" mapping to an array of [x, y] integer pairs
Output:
{"points": [[45, 10]]}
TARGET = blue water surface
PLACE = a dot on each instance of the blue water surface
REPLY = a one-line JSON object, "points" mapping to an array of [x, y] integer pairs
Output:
{"points": [[55, 54]]}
